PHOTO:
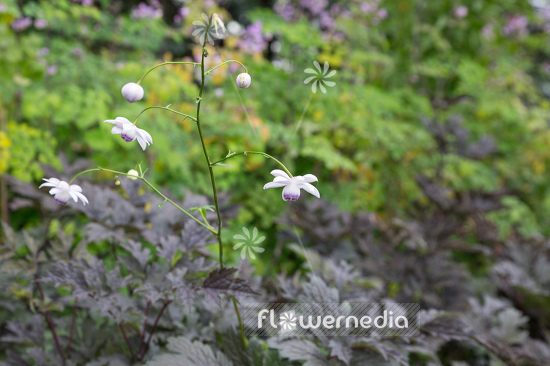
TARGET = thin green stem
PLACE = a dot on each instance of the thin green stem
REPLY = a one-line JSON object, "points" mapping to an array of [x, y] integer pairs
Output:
{"points": [[210, 170], [254, 153], [167, 109], [166, 199], [240, 320], [225, 62], [166, 63]]}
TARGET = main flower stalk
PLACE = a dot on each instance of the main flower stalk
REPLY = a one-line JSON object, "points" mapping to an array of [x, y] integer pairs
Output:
{"points": [[210, 170]]}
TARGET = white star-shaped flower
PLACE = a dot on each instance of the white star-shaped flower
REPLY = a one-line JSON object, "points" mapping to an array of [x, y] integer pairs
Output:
{"points": [[292, 186], [62, 192], [129, 132]]}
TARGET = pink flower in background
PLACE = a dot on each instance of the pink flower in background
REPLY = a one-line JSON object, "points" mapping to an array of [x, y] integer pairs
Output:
{"points": [[488, 31], [368, 7], [326, 20], [87, 2], [21, 24], [516, 25], [51, 70], [315, 7], [252, 40], [45, 51], [461, 12], [144, 11], [2, 7], [286, 10], [182, 14], [40, 23], [382, 13]]}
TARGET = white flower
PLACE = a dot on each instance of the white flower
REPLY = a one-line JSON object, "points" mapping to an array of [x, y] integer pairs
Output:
{"points": [[129, 132], [132, 174], [243, 80], [132, 92], [62, 192], [292, 186]]}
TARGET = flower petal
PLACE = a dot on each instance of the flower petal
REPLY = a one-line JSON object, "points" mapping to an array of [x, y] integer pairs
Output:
{"points": [[142, 142], [47, 185], [310, 189], [146, 136], [75, 187], [291, 192], [116, 130], [73, 196], [279, 173], [310, 178], [82, 197], [54, 191], [275, 185]]}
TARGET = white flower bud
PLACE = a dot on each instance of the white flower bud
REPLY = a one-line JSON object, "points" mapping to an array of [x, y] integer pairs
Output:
{"points": [[132, 174], [243, 80], [132, 92]]}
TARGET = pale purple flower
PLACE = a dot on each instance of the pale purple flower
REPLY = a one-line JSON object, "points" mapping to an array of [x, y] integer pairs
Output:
{"points": [[132, 92], [62, 192], [21, 24], [292, 186], [252, 40], [326, 20], [146, 11], [517, 24], [87, 2], [129, 132], [382, 13], [2, 7], [461, 11], [182, 14], [315, 7], [77, 51], [44, 51], [243, 80], [368, 7], [287, 11], [40, 23], [51, 70]]}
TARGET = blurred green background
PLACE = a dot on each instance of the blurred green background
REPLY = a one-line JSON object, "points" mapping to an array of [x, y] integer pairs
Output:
{"points": [[407, 72]]}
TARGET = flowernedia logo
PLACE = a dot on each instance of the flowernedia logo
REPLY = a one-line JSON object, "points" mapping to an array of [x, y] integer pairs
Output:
{"points": [[331, 319]]}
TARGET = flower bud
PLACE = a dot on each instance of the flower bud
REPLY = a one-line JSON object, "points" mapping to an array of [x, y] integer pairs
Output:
{"points": [[243, 80], [132, 92], [133, 174]]}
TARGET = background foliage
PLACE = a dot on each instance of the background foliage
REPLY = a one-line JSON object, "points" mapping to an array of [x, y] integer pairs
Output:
{"points": [[431, 153]]}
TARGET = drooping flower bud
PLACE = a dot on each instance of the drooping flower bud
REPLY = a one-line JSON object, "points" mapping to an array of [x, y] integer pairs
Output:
{"points": [[243, 80], [132, 174], [132, 92]]}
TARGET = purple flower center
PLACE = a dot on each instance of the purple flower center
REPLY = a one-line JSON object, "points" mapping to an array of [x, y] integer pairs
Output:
{"points": [[290, 197], [60, 201]]}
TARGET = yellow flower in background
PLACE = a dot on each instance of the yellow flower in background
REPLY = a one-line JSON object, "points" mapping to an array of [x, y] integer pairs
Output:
{"points": [[5, 144]]}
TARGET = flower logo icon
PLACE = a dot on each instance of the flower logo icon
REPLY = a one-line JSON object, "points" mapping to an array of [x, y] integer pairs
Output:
{"points": [[217, 29], [287, 321], [319, 77], [249, 243]]}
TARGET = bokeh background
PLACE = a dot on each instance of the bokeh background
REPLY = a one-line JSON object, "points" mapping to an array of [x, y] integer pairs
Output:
{"points": [[432, 149]]}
